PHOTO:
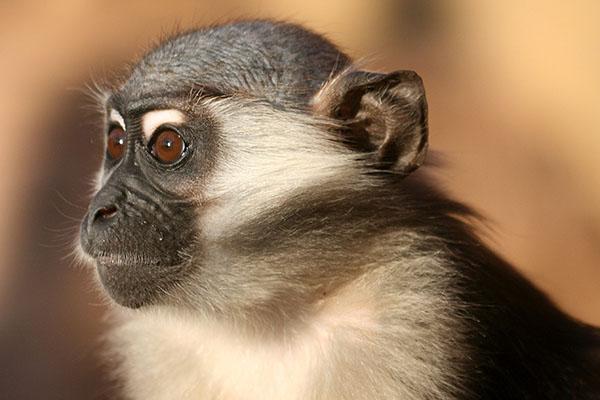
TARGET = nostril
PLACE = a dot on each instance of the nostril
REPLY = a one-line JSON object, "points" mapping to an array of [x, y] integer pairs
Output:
{"points": [[105, 213]]}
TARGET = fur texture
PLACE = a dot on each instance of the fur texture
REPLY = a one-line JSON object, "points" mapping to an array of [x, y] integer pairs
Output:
{"points": [[303, 262]]}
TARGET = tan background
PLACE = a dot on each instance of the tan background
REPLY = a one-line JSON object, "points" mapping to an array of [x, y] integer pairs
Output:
{"points": [[514, 94]]}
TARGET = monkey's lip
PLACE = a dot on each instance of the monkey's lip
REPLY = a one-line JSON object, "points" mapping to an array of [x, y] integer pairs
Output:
{"points": [[124, 260]]}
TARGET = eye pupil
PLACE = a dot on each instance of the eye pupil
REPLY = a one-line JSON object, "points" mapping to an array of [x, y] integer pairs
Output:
{"points": [[167, 144], [168, 147], [116, 143]]}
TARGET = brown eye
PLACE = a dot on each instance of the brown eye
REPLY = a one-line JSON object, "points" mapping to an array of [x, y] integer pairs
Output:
{"points": [[116, 143], [168, 146]]}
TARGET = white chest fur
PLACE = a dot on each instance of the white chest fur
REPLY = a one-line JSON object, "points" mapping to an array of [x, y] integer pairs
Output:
{"points": [[171, 356], [173, 360], [359, 343]]}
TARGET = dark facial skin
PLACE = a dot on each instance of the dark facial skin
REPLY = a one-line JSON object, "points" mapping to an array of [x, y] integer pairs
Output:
{"points": [[139, 226]]}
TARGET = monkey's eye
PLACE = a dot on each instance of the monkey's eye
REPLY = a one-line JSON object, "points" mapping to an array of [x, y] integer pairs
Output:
{"points": [[116, 143], [168, 146]]}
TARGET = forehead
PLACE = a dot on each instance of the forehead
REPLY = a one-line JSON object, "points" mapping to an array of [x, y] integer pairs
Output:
{"points": [[135, 104], [280, 63]]}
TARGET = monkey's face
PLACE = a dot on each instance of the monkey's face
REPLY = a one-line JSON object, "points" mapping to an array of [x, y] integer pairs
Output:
{"points": [[207, 195], [183, 182], [140, 225]]}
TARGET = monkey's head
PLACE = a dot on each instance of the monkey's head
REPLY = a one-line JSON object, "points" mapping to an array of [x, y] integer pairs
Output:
{"points": [[216, 145]]}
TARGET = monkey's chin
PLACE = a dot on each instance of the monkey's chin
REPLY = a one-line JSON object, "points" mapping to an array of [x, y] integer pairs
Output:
{"points": [[135, 285]]}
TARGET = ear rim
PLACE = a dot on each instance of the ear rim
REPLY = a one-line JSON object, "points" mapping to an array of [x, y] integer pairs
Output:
{"points": [[403, 106], [418, 100]]}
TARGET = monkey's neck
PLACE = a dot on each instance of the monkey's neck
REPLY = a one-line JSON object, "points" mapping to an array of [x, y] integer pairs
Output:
{"points": [[341, 349]]}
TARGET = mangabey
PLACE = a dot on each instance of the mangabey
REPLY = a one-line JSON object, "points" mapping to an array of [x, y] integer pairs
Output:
{"points": [[256, 222]]}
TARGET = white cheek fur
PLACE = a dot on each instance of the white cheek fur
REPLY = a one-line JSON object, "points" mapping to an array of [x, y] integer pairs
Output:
{"points": [[153, 119], [270, 155]]}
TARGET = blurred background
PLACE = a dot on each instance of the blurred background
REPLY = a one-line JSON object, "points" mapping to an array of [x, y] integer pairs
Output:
{"points": [[514, 96]]}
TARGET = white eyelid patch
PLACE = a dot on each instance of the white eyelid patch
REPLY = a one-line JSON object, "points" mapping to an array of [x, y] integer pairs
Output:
{"points": [[118, 118], [153, 119]]}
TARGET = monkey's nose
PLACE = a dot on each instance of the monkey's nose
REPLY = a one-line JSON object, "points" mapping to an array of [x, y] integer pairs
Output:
{"points": [[104, 213], [98, 222]]}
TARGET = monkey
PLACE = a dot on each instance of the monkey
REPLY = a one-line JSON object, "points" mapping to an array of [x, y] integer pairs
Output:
{"points": [[262, 229]]}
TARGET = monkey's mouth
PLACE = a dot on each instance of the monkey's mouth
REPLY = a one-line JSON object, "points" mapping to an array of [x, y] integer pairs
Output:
{"points": [[134, 281], [137, 271], [125, 260]]}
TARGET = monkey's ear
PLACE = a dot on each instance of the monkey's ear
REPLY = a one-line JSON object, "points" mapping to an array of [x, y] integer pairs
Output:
{"points": [[382, 114]]}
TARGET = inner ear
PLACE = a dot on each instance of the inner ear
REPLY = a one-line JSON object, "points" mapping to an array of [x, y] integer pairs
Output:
{"points": [[383, 115]]}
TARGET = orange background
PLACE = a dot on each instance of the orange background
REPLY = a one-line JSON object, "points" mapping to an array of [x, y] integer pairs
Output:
{"points": [[514, 95]]}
